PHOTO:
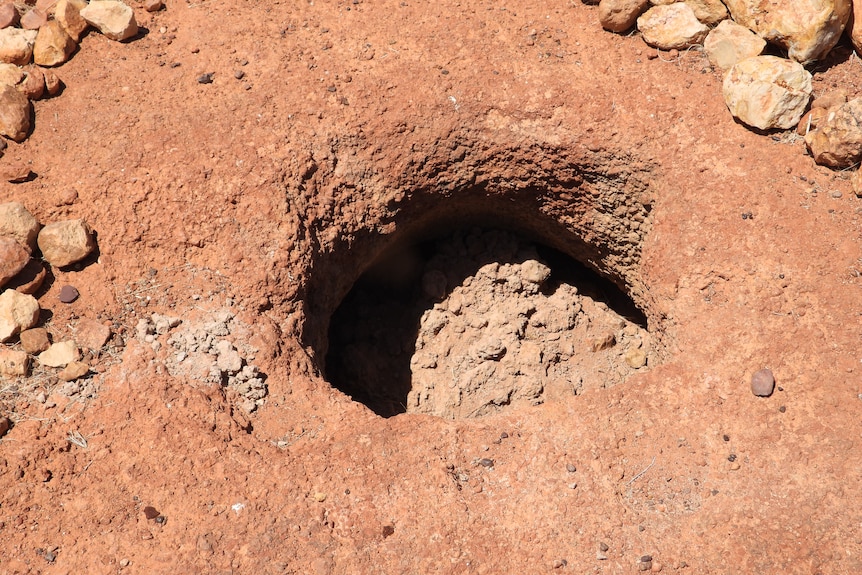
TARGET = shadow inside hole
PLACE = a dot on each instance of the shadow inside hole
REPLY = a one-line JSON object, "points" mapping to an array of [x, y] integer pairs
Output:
{"points": [[373, 333]]}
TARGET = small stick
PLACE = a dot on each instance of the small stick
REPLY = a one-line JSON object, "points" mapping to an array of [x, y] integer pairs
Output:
{"points": [[639, 475]]}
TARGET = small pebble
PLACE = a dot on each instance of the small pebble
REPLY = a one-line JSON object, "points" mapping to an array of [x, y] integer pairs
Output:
{"points": [[124, 562], [762, 383], [68, 294], [782, 409], [646, 559], [485, 462], [239, 74], [570, 468], [731, 457], [504, 435], [206, 78], [603, 547]]}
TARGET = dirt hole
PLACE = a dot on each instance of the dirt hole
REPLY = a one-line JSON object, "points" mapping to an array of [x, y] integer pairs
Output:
{"points": [[467, 324]]}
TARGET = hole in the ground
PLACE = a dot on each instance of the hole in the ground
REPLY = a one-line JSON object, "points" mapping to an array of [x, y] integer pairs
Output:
{"points": [[464, 325]]}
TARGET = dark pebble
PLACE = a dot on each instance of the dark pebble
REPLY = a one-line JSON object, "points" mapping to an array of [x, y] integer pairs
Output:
{"points": [[68, 294], [725, 437], [206, 78], [782, 409], [646, 558], [239, 74], [603, 547], [331, 89], [504, 435], [50, 557], [388, 530], [731, 457], [150, 512], [161, 519], [571, 468], [486, 462]]}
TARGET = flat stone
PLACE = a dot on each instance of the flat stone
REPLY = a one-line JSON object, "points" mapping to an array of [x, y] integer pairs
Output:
{"points": [[671, 27], [33, 84], [91, 334], [729, 43], [29, 279], [14, 113], [8, 15], [15, 172], [112, 18], [17, 312], [837, 140], [767, 92], [16, 45], [18, 223], [73, 370], [35, 340], [68, 14], [13, 259], [620, 15], [64, 243], [60, 354], [762, 383], [53, 45], [34, 19], [14, 362], [807, 30], [68, 294]]}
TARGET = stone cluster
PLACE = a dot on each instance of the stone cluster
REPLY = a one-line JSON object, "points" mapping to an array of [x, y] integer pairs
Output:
{"points": [[37, 37], [763, 92]]}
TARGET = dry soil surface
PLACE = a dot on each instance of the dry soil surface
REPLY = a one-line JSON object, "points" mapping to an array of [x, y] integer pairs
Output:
{"points": [[337, 133]]}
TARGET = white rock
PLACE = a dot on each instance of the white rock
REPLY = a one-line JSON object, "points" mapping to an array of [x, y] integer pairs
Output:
{"points": [[729, 43], [806, 29], [16, 45], [767, 92], [671, 27], [60, 354], [14, 362], [17, 312], [620, 15], [18, 223], [64, 243], [837, 140], [112, 18]]}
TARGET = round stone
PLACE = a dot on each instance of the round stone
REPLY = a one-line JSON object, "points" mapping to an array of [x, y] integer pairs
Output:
{"points": [[68, 294], [762, 383]]}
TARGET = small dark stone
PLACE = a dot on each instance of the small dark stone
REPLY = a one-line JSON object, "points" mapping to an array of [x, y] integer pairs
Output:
{"points": [[161, 519], [206, 78], [485, 462], [646, 558], [731, 457], [388, 530], [725, 437], [603, 547], [571, 468], [68, 294], [239, 74], [641, 528], [444, 72], [50, 556], [782, 409], [150, 512], [331, 88], [504, 435]]}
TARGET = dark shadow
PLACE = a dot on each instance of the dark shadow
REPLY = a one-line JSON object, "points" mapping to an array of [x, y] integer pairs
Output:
{"points": [[373, 332]]}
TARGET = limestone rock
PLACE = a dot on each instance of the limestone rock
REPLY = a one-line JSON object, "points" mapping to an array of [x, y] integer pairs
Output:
{"points": [[92, 334], [14, 362], [620, 15], [767, 92], [64, 243], [8, 15], [808, 30], [68, 14], [729, 43], [112, 18], [16, 45], [17, 223], [837, 140], [15, 172], [710, 12], [35, 340], [671, 27], [60, 354], [13, 258], [17, 312], [10, 74], [34, 19], [14, 113], [33, 84], [73, 370], [53, 45]]}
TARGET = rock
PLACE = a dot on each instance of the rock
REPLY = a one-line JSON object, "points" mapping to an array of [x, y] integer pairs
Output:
{"points": [[709, 12], [830, 100], [34, 19], [604, 342], [68, 14], [767, 92], [856, 182], [14, 113], [17, 312], [810, 120], [92, 335], [112, 18], [8, 15], [837, 140], [13, 259], [15, 172], [807, 30], [10, 74], [620, 15], [52, 83], [671, 27], [535, 272], [29, 279], [33, 84], [74, 370], [60, 354], [35, 340], [14, 362], [762, 383], [636, 358], [153, 5], [68, 294], [16, 45], [18, 223], [229, 360], [729, 43], [64, 243], [53, 45]]}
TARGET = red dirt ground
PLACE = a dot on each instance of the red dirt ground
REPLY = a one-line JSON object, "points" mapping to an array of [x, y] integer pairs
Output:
{"points": [[354, 119]]}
